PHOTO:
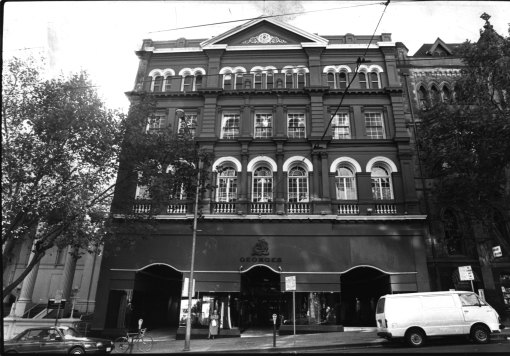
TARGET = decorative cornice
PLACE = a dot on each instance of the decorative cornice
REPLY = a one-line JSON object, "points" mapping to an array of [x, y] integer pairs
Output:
{"points": [[264, 38]]}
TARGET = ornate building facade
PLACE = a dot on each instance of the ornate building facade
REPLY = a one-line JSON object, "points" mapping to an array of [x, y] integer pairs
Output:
{"points": [[313, 181]]}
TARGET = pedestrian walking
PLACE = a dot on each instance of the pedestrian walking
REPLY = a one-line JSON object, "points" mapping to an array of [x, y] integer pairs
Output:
{"points": [[214, 325]]}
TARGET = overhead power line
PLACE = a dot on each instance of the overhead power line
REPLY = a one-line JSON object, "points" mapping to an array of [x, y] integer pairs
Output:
{"points": [[262, 17]]}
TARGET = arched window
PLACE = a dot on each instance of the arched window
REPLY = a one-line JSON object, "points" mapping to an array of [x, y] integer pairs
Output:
{"points": [[381, 182], [198, 82], [445, 94], [374, 80], [301, 80], [269, 79], [257, 80], [345, 183], [342, 80], [168, 83], [227, 81], [363, 80], [422, 97], [331, 80], [187, 83], [288, 79], [227, 185], [297, 185], [262, 185], [434, 94], [238, 80], [158, 83]]}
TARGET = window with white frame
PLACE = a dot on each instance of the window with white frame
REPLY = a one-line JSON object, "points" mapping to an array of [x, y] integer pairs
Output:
{"points": [[158, 83], [230, 126], [337, 80], [262, 185], [269, 77], [187, 82], [289, 82], [296, 127], [227, 185], [341, 126], [374, 125], [238, 77], [301, 80], [257, 80], [227, 81], [168, 83], [263, 125], [342, 80], [345, 183], [197, 82], [375, 82], [177, 190], [188, 124], [362, 77], [381, 182], [156, 122], [330, 77], [297, 185]]}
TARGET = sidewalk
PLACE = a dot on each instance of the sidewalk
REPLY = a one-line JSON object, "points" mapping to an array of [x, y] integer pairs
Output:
{"points": [[351, 338]]}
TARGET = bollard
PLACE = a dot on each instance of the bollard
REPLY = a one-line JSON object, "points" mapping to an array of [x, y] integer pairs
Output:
{"points": [[274, 330]]}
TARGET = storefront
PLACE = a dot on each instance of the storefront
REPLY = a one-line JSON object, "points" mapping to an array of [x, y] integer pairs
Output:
{"points": [[340, 269]]}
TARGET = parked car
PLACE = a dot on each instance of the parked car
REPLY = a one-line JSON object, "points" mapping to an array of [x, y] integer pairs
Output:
{"points": [[416, 316], [54, 340]]}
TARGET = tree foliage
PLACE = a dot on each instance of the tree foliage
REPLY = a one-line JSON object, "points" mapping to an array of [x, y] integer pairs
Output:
{"points": [[466, 143]]}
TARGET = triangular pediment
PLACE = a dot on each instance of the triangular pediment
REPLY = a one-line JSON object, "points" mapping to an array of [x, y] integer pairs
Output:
{"points": [[440, 46], [264, 32]]}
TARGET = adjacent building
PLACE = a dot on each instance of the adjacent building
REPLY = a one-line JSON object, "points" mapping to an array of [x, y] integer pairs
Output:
{"points": [[312, 180]]}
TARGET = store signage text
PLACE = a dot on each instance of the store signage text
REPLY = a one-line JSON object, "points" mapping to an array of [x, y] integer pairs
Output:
{"points": [[260, 259]]}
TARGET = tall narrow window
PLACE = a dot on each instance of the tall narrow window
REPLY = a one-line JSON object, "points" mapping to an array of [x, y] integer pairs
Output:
{"points": [[452, 233], [445, 94], [362, 80], [374, 80], [381, 183], [227, 81], [301, 80], [257, 80], [342, 80], [298, 185], [263, 125], [187, 83], [238, 81], [374, 125], [331, 80], [434, 94], [168, 83], [269, 79], [262, 185], [188, 124], [288, 79], [227, 185], [422, 97], [345, 183], [198, 82], [296, 125], [158, 83], [340, 126], [230, 126]]}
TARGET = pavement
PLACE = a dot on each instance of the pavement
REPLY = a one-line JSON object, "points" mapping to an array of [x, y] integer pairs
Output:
{"points": [[263, 342]]}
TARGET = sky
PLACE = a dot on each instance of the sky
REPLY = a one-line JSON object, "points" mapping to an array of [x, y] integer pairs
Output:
{"points": [[101, 37]]}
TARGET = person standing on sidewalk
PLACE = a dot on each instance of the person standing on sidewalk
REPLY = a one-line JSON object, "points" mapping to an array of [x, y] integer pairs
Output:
{"points": [[213, 325]]}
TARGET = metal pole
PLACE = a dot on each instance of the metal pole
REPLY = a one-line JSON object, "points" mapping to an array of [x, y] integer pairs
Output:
{"points": [[191, 270], [294, 310]]}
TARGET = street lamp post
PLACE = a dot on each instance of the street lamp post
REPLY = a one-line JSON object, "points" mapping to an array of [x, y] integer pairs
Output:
{"points": [[181, 115]]}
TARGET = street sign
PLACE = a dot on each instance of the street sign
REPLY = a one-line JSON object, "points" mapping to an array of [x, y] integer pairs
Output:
{"points": [[466, 273], [58, 295], [290, 283], [185, 287], [496, 251], [274, 318]]}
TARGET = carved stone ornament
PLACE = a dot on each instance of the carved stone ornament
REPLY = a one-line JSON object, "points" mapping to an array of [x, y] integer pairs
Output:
{"points": [[264, 38], [261, 248]]}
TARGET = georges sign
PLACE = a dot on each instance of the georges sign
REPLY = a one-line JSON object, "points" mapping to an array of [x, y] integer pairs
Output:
{"points": [[260, 253]]}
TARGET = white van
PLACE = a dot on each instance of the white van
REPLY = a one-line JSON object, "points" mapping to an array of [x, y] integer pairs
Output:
{"points": [[416, 316]]}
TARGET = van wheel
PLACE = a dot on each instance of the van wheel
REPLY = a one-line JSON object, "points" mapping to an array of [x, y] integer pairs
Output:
{"points": [[480, 334], [415, 337]]}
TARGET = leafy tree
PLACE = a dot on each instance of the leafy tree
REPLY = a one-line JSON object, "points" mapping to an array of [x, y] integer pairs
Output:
{"points": [[466, 143], [61, 149]]}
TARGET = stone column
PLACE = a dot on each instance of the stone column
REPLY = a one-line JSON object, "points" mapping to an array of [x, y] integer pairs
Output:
{"points": [[27, 288]]}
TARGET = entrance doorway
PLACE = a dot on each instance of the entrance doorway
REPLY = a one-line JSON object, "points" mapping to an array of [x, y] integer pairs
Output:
{"points": [[156, 297], [361, 288], [260, 297]]}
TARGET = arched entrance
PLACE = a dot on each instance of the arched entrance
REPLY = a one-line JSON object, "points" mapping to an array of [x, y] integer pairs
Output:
{"points": [[361, 288], [260, 297], [156, 297]]}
